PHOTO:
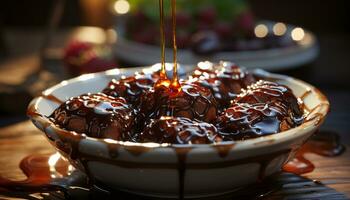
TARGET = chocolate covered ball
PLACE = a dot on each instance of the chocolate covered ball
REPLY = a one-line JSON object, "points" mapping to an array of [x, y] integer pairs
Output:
{"points": [[243, 121], [272, 93], [96, 115], [264, 108], [131, 87], [191, 101], [225, 80], [179, 130]]}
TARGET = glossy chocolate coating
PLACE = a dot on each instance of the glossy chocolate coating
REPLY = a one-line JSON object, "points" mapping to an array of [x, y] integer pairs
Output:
{"points": [[179, 130], [244, 121], [275, 94], [225, 80], [131, 87], [264, 108], [192, 101], [156, 112], [96, 115]]}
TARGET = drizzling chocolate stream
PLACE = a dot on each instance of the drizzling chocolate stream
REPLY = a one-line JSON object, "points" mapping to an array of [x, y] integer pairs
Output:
{"points": [[174, 84], [162, 40]]}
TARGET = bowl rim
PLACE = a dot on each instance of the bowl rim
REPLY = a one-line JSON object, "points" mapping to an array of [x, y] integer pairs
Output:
{"points": [[309, 125]]}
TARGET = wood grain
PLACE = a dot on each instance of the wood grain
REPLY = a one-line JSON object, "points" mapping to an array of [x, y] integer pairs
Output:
{"points": [[16, 142]]}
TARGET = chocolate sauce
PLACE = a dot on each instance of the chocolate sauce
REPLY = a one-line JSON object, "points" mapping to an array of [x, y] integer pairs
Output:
{"points": [[163, 80], [192, 102], [131, 87], [96, 115], [243, 121], [307, 93], [263, 108], [181, 168], [223, 149], [52, 98], [312, 115], [137, 150], [225, 80], [162, 72], [175, 84], [179, 130], [273, 93], [31, 111], [41, 171], [323, 143], [113, 150]]}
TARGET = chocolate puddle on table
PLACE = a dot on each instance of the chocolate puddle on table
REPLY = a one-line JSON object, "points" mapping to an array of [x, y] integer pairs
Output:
{"points": [[51, 173], [323, 143]]}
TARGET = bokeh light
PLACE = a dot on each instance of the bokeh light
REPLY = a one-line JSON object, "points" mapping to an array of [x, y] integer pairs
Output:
{"points": [[298, 34], [279, 29], [121, 6], [261, 31]]}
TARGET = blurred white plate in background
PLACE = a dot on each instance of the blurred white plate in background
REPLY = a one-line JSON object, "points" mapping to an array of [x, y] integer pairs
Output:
{"points": [[273, 59]]}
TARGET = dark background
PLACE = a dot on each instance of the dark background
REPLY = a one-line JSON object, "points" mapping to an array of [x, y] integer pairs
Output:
{"points": [[321, 16]]}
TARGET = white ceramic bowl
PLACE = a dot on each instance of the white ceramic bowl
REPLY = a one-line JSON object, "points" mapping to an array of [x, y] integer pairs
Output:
{"points": [[162, 170]]}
